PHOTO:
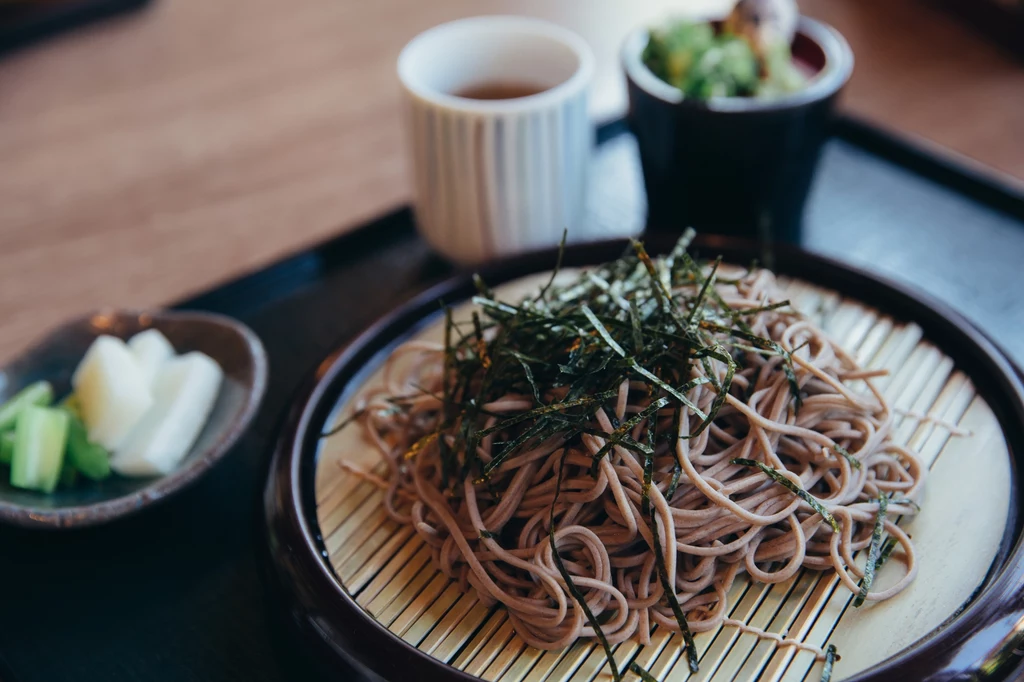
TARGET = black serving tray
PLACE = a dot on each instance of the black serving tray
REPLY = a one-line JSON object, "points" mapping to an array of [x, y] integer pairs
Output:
{"points": [[177, 593], [23, 22]]}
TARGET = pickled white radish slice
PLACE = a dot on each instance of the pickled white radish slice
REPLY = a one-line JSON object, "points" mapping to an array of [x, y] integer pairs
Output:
{"points": [[151, 350], [184, 392], [112, 391]]}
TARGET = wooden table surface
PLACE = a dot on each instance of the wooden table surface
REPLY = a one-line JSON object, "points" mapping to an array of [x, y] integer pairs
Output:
{"points": [[162, 153]]}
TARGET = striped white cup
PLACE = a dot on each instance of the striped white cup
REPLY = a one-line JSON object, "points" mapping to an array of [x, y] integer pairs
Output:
{"points": [[495, 177]]}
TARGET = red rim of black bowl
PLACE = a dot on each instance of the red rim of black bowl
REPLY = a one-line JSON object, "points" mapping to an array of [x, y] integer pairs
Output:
{"points": [[978, 643]]}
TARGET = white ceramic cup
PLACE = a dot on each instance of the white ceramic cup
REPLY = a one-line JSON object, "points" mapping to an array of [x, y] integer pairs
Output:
{"points": [[495, 177]]}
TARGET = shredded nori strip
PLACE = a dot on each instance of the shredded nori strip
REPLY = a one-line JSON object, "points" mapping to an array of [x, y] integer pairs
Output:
{"points": [[547, 409], [670, 594], [854, 462], [615, 436], [602, 331], [645, 493], [570, 585], [641, 673], [830, 661], [723, 391], [343, 423], [874, 552], [776, 476], [634, 321], [890, 545], [558, 267], [761, 309]]}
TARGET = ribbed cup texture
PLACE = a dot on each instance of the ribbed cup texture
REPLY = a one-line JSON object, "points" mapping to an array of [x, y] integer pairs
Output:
{"points": [[492, 184]]}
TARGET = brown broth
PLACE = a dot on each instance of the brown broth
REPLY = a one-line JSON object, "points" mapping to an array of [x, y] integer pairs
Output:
{"points": [[500, 90]]}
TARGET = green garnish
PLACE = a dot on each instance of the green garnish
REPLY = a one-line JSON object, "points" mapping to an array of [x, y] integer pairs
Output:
{"points": [[777, 476], [39, 394], [874, 552], [733, 59]]}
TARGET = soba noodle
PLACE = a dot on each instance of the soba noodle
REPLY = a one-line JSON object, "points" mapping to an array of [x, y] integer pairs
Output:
{"points": [[795, 403]]}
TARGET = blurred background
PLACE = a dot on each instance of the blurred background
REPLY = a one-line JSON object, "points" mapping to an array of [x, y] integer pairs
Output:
{"points": [[162, 151]]}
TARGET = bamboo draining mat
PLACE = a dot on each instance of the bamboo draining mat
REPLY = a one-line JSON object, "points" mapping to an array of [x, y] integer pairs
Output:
{"points": [[388, 569]]}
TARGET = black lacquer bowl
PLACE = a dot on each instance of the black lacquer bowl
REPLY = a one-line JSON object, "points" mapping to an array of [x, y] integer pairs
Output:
{"points": [[735, 165], [980, 642], [234, 346]]}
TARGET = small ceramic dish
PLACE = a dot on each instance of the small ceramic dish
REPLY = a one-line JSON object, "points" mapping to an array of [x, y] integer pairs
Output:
{"points": [[233, 345]]}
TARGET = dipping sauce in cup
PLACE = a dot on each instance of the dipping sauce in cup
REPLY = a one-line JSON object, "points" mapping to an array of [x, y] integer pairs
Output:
{"points": [[500, 134]]}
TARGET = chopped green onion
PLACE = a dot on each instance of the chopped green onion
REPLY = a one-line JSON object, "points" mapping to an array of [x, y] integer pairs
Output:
{"points": [[40, 393]]}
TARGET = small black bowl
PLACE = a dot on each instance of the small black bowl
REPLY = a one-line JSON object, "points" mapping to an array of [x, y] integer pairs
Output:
{"points": [[735, 165], [234, 346]]}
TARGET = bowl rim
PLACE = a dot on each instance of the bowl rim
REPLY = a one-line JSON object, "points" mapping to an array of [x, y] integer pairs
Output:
{"points": [[838, 68], [163, 487]]}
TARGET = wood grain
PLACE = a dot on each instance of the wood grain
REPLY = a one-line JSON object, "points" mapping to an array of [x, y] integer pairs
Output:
{"points": [[159, 154]]}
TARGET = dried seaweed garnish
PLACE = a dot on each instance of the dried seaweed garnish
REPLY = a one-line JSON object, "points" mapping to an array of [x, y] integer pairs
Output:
{"points": [[766, 345], [524, 361], [641, 673], [612, 343], [677, 468], [777, 476], [615, 437], [670, 594], [854, 462], [663, 296], [569, 584], [830, 661], [874, 551], [723, 391], [484, 533], [645, 492], [886, 552], [343, 423], [481, 286], [698, 303], [538, 431], [481, 344], [743, 312], [584, 401], [634, 321], [558, 267]]}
